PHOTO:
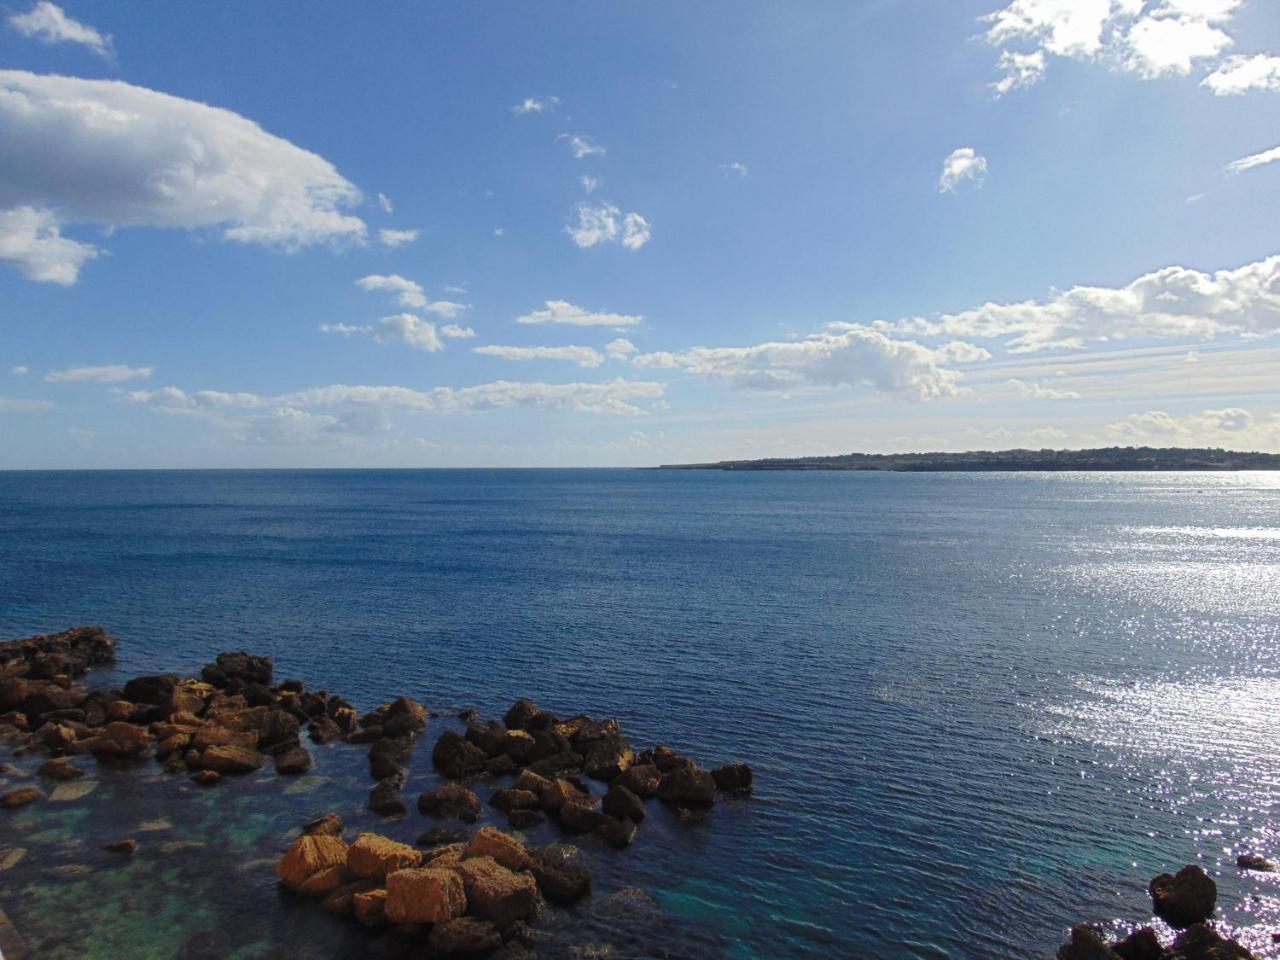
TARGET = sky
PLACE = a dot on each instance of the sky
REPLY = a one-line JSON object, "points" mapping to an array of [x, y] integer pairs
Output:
{"points": [[450, 234]]}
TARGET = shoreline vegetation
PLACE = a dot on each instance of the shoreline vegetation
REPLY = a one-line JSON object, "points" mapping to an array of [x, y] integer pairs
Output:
{"points": [[1100, 459], [473, 890]]}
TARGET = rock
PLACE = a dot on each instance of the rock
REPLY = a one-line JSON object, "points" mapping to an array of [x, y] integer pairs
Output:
{"points": [[464, 937], [1184, 898], [521, 714], [293, 761], [560, 880], [665, 759], [500, 766], [1248, 861], [278, 727], [1201, 942], [1142, 944], [495, 893], [340, 901], [687, 787], [451, 801], [324, 882], [535, 784], [607, 758], [502, 847], [231, 759], [310, 854], [424, 895], [20, 797], [559, 763], [121, 740], [561, 791], [330, 825], [370, 907], [509, 799], [323, 730], [405, 718], [1085, 944], [444, 857], [733, 778], [207, 778], [60, 770], [617, 833], [385, 799], [517, 744], [524, 819], [365, 735], [456, 758], [621, 803], [442, 836], [241, 667], [589, 731], [580, 817], [641, 779], [127, 847], [387, 758], [372, 857], [488, 737]]}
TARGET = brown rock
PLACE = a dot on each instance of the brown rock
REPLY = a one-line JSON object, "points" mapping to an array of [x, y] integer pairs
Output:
{"points": [[20, 797], [535, 784], [451, 801], [607, 758], [330, 825], [617, 833], [464, 937], [524, 819], [580, 817], [560, 792], [687, 787], [502, 847], [622, 803], [509, 799], [127, 847], [310, 854], [521, 715], [1142, 944], [120, 739], [372, 857], [231, 759], [1184, 898], [500, 766], [456, 758], [1248, 861], [324, 882], [1085, 944], [424, 895], [641, 779], [488, 736], [323, 730], [207, 778], [495, 893], [560, 880], [60, 770], [385, 799], [734, 778], [559, 763], [1202, 942], [293, 761], [370, 907]]}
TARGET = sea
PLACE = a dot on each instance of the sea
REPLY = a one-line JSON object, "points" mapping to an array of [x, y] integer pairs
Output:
{"points": [[980, 708]]}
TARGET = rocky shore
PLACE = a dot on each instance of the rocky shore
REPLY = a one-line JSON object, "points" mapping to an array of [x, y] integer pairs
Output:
{"points": [[470, 891]]}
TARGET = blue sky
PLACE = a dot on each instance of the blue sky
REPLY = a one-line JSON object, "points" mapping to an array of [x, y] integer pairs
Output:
{"points": [[455, 234]]}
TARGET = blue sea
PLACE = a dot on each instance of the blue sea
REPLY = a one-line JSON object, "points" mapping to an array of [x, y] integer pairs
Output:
{"points": [[980, 707]]}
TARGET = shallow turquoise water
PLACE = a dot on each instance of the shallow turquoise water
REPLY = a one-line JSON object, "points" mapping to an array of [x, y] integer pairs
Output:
{"points": [[980, 707]]}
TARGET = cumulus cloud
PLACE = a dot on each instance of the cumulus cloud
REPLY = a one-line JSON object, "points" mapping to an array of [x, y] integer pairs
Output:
{"points": [[409, 330], [582, 146], [963, 163], [535, 105], [1254, 160], [1191, 428], [1171, 302], [564, 312], [1152, 38], [409, 293], [619, 349], [1241, 74], [397, 238], [605, 223], [48, 23], [582, 356], [456, 332], [112, 154], [1038, 391], [846, 355], [109, 373]]}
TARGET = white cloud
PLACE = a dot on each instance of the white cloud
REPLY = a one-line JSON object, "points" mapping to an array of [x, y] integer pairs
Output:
{"points": [[1038, 391], [19, 371], [963, 163], [397, 238], [13, 405], [1172, 302], [1240, 74], [1255, 160], [456, 332], [1065, 28], [110, 373], [1020, 70], [582, 356], [109, 153], [536, 105], [1191, 428], [735, 168], [346, 329], [1168, 45], [606, 224], [619, 349], [620, 397], [582, 146], [499, 231], [385, 203], [409, 293], [957, 351], [564, 312], [589, 183], [410, 330], [48, 23], [846, 355]]}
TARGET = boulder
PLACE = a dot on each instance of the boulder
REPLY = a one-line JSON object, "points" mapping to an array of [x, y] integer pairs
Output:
{"points": [[405, 718], [293, 761], [388, 757], [560, 763], [370, 907], [323, 882], [495, 893], [323, 730], [457, 758], [641, 779], [329, 825], [1248, 861], [1142, 944], [372, 857], [687, 787], [278, 727], [560, 880], [581, 817], [559, 792], [522, 713], [488, 736], [424, 895], [156, 690], [621, 803], [464, 937], [310, 854], [665, 759], [535, 784], [1085, 944], [517, 744], [1184, 898], [121, 740], [452, 802], [589, 731], [385, 799], [365, 735], [340, 901], [509, 799], [442, 836], [20, 797], [502, 847], [126, 847], [60, 770], [617, 833], [607, 758], [500, 766], [1202, 942], [230, 758], [524, 819], [241, 667], [733, 778]]}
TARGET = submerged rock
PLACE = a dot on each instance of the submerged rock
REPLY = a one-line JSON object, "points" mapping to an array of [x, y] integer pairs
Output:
{"points": [[20, 797], [126, 847], [621, 803], [1184, 898], [1202, 942], [559, 879], [295, 760], [385, 799], [60, 770]]}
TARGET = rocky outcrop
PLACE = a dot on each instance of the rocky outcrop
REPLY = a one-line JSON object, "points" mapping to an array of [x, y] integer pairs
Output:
{"points": [[733, 778], [451, 802], [1249, 861], [1184, 898], [687, 786]]}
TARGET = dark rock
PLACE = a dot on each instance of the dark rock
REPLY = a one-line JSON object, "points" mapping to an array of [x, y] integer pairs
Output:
{"points": [[733, 778], [607, 758], [509, 799], [207, 778], [385, 799], [456, 758], [293, 761], [388, 758], [1142, 944], [330, 825], [365, 735], [524, 819], [1248, 861], [622, 803], [156, 690], [559, 880], [687, 787], [665, 759], [1184, 898], [442, 836], [500, 766], [641, 779], [229, 758], [241, 666], [278, 727], [127, 847], [520, 715], [121, 740], [1201, 942], [20, 797], [451, 801], [464, 937], [517, 744], [1085, 944], [580, 817], [323, 729], [60, 770], [560, 763], [488, 736], [617, 833]]}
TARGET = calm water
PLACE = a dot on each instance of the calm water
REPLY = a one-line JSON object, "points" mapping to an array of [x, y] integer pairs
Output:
{"points": [[980, 707]]}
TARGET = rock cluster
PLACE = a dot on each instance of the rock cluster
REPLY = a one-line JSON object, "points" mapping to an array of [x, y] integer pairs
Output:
{"points": [[553, 756], [464, 899]]}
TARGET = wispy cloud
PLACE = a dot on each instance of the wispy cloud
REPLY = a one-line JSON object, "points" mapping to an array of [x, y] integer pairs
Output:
{"points": [[582, 145], [735, 169], [582, 356], [109, 373], [564, 312], [409, 293], [1038, 391], [397, 238], [963, 164], [605, 223], [48, 23], [1241, 74], [1255, 160], [535, 105]]}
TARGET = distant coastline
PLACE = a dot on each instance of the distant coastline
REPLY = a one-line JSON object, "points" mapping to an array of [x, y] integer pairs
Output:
{"points": [[976, 461]]}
